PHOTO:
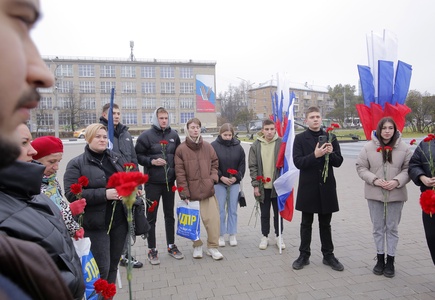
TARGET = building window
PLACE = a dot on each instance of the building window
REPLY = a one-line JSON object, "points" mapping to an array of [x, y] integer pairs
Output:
{"points": [[186, 87], [146, 118], [167, 72], [107, 71], [172, 118], [185, 116], [148, 103], [186, 73], [167, 88], [104, 101], [87, 119], [44, 119], [106, 87], [128, 71], [64, 71], [45, 103], [148, 72], [168, 103], [129, 87], [129, 103], [87, 87], [86, 71], [129, 118], [88, 103], [148, 87], [65, 119], [187, 103], [64, 86], [64, 102]]}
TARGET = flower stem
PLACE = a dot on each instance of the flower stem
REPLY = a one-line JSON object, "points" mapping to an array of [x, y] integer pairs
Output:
{"points": [[111, 217], [130, 263]]}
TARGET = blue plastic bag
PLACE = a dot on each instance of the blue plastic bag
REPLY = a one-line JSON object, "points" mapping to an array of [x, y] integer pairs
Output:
{"points": [[89, 267], [188, 220]]}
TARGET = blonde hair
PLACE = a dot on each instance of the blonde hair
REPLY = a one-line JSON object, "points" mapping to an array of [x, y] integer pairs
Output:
{"points": [[91, 131], [226, 127]]}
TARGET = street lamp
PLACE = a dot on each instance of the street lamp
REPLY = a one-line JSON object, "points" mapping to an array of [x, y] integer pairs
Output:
{"points": [[55, 107]]}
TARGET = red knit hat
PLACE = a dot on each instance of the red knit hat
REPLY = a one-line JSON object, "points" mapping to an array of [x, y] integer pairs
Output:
{"points": [[46, 145]]}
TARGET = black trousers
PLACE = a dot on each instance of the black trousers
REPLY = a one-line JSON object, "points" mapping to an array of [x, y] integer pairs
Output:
{"points": [[429, 229], [155, 192], [325, 234], [265, 214]]}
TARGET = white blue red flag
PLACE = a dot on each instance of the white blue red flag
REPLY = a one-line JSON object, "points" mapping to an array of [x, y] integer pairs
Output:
{"points": [[284, 185]]}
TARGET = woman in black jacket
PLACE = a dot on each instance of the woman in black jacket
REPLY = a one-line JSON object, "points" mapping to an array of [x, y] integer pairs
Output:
{"points": [[103, 205], [422, 174], [231, 157]]}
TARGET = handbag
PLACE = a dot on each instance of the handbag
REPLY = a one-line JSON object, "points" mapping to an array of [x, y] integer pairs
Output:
{"points": [[241, 198], [188, 225], [89, 266], [140, 222]]}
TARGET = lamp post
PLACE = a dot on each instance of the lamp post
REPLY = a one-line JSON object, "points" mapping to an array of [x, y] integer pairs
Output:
{"points": [[248, 86], [55, 107]]}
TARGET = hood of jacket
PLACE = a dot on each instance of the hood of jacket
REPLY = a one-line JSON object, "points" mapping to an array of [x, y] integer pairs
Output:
{"points": [[117, 130], [260, 137], [155, 120], [22, 179], [228, 143]]}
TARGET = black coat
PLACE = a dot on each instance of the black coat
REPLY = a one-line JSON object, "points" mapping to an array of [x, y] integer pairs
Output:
{"points": [[419, 164], [123, 142], [315, 196], [28, 215], [231, 156], [95, 193], [148, 147]]}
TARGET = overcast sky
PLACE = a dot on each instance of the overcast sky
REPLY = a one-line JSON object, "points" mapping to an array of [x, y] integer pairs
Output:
{"points": [[316, 41]]}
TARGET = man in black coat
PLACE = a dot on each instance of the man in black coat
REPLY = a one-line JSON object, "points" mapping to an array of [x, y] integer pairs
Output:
{"points": [[316, 193], [122, 144], [155, 149]]}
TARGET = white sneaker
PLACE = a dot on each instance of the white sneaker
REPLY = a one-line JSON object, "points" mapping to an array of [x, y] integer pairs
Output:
{"points": [[221, 241], [233, 240], [197, 252], [282, 243], [213, 252], [264, 243]]}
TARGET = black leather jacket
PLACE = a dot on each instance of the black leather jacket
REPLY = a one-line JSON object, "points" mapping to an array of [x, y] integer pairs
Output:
{"points": [[28, 215]]}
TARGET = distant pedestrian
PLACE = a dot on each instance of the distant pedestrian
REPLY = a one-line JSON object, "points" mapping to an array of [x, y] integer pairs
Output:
{"points": [[231, 170], [383, 165]]}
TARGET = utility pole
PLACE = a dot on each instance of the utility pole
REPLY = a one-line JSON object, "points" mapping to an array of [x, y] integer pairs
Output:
{"points": [[55, 104]]}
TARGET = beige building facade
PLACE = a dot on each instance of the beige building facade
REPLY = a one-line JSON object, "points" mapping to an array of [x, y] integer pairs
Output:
{"points": [[186, 89]]}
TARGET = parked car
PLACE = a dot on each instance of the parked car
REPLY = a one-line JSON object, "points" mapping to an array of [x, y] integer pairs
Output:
{"points": [[203, 129], [79, 133]]}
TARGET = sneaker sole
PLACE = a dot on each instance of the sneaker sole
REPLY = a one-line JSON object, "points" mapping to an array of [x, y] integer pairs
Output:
{"points": [[197, 256], [154, 262], [176, 256], [215, 258], [335, 269], [262, 247]]}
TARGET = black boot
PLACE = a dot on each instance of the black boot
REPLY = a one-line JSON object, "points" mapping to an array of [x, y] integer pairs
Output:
{"points": [[389, 267], [380, 265]]}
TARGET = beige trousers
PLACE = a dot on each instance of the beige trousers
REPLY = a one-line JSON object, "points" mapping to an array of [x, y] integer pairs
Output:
{"points": [[209, 211]]}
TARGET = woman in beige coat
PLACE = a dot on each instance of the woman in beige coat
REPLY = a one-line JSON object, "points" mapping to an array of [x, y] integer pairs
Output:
{"points": [[383, 165]]}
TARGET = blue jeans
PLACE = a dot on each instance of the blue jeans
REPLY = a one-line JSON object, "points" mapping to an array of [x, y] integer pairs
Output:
{"points": [[227, 207]]}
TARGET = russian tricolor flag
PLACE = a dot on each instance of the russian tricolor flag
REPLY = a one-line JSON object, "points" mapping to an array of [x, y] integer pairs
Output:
{"points": [[289, 173]]}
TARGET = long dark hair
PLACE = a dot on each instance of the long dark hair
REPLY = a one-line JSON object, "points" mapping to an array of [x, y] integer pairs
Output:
{"points": [[392, 141]]}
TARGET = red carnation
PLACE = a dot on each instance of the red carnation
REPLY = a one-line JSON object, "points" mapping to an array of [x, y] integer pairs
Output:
{"points": [[110, 291], [174, 189], [329, 129], [153, 206], [379, 149], [83, 180], [259, 178], [427, 201], [335, 125], [163, 142], [388, 148], [268, 179], [180, 188], [76, 188], [129, 166], [232, 171], [100, 285], [413, 142]]}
